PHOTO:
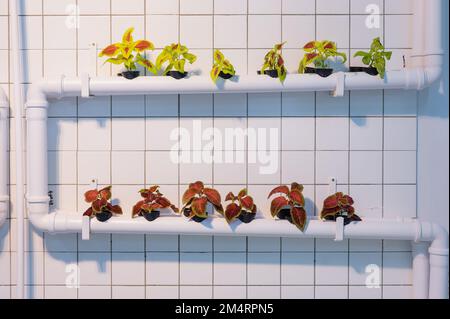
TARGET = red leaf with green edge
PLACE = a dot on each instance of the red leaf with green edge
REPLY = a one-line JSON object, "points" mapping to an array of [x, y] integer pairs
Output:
{"points": [[277, 204], [198, 186], [232, 212], [137, 208], [310, 45], [110, 50], [243, 193], [90, 196], [213, 196], [298, 215], [142, 45], [98, 205], [297, 186], [331, 202], [128, 35], [311, 56], [230, 196], [144, 193], [280, 61], [346, 201], [164, 202], [199, 207], [350, 210], [89, 212], [188, 195], [153, 189], [174, 208], [329, 45], [297, 197], [254, 210], [115, 209], [105, 193], [280, 189], [247, 203]]}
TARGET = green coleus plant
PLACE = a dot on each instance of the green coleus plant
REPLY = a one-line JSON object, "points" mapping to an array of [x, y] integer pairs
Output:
{"points": [[242, 207], [175, 57], [339, 205], [289, 205], [151, 204], [318, 53], [222, 67], [274, 63], [196, 199], [101, 208], [376, 58], [129, 53]]}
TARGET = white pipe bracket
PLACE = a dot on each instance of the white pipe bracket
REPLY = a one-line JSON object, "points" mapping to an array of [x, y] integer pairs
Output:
{"points": [[93, 59], [86, 228], [85, 91], [340, 85], [332, 185], [339, 229]]}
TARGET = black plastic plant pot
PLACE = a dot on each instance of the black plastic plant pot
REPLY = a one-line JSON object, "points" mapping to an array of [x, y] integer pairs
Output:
{"points": [[271, 73], [177, 74], [247, 217], [104, 216], [151, 216], [369, 70], [347, 220], [225, 76], [285, 214], [187, 213], [130, 75]]}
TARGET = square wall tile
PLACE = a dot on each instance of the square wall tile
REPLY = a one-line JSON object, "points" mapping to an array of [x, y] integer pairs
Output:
{"points": [[166, 129], [230, 31], [196, 292], [366, 167], [196, 269], [196, 31], [127, 242], [132, 106], [195, 243], [400, 134], [366, 103], [93, 29], [162, 292], [298, 134], [298, 30], [330, 106], [127, 134], [332, 164], [269, 25], [400, 167], [297, 269], [162, 36], [264, 6], [164, 243], [333, 7], [369, 201], [298, 104], [94, 107], [94, 165], [263, 269], [128, 269], [230, 292], [194, 105], [128, 168], [95, 268], [128, 292], [332, 134], [127, 7], [55, 27], [94, 134], [226, 105], [340, 32], [196, 6], [400, 201], [331, 269], [57, 266], [94, 7], [162, 105], [297, 166], [162, 268], [366, 134], [160, 168], [94, 292], [62, 134], [263, 292], [363, 267], [331, 292], [264, 104], [397, 268], [361, 32], [297, 292], [230, 244], [162, 7], [230, 167], [230, 269]]}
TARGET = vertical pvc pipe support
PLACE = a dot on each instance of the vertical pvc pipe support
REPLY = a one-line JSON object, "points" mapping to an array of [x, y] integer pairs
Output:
{"points": [[4, 158], [420, 266]]}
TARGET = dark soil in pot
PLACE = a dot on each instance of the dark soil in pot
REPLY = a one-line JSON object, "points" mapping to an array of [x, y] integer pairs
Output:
{"points": [[247, 217], [225, 76], [103, 216], [319, 71], [271, 73], [369, 70], [187, 212], [177, 75], [130, 75], [285, 214], [151, 216], [347, 220]]}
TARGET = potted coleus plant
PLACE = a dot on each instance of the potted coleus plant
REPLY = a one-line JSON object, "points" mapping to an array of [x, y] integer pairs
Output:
{"points": [[289, 205], [274, 63], [152, 203], [339, 205], [129, 53], [196, 199], [318, 53], [176, 56], [101, 208], [222, 67], [375, 59], [242, 207]]}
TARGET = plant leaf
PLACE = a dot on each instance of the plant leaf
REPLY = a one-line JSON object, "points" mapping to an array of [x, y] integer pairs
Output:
{"points": [[247, 203], [297, 197], [277, 204], [143, 45], [137, 208], [232, 211], [188, 195], [218, 57], [230, 196], [90, 196], [110, 50], [115, 209], [298, 215], [199, 207], [105, 193], [190, 57], [213, 196], [280, 189], [89, 212], [128, 35], [215, 71]]}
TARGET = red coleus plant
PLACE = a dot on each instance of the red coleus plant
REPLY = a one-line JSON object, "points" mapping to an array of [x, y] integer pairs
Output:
{"points": [[289, 205], [196, 198], [339, 205], [242, 207], [99, 200], [153, 200]]}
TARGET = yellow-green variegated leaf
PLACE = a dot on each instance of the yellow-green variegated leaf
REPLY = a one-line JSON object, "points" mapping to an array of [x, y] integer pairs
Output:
{"points": [[179, 65], [219, 57], [128, 35], [215, 73], [190, 57], [116, 60]]}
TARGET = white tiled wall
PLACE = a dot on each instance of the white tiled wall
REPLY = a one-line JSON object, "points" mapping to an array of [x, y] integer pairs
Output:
{"points": [[365, 139]]}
